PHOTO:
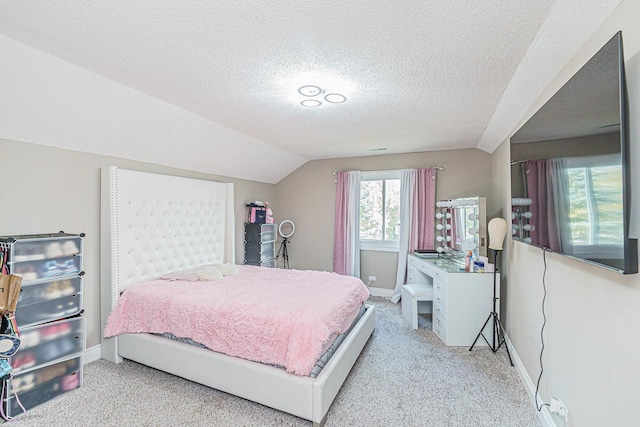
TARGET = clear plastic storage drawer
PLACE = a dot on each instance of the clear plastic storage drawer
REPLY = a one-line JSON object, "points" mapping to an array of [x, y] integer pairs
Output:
{"points": [[47, 257], [43, 384], [45, 301], [48, 268], [256, 252], [46, 343], [256, 233], [269, 263]]}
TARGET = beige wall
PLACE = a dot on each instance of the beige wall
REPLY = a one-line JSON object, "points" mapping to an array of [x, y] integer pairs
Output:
{"points": [[592, 345], [307, 197], [49, 189]]}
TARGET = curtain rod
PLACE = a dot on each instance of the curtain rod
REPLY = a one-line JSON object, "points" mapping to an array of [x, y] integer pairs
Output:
{"points": [[439, 168]]}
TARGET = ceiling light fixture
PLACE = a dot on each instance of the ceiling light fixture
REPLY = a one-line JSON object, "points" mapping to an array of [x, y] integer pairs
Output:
{"points": [[310, 90], [335, 98], [310, 103], [315, 92]]}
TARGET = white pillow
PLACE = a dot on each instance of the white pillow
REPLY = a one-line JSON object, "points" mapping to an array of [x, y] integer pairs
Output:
{"points": [[208, 273], [228, 269]]}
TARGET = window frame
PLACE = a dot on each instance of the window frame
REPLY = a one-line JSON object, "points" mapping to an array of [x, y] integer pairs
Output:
{"points": [[379, 245]]}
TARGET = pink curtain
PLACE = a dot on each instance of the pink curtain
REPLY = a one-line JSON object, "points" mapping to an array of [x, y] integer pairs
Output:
{"points": [[423, 210], [540, 190]]}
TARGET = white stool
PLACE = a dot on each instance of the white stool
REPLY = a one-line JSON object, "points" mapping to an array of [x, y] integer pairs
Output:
{"points": [[412, 294]]}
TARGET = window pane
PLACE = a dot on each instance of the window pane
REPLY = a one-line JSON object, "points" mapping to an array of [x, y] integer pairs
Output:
{"points": [[392, 210], [371, 210], [595, 198], [607, 182]]}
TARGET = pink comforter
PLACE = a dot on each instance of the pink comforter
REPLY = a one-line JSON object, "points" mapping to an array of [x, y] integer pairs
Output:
{"points": [[275, 316]]}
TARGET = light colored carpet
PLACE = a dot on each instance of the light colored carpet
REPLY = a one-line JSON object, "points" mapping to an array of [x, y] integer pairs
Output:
{"points": [[402, 378]]}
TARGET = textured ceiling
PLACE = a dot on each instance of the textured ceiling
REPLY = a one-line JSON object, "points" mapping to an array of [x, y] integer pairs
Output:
{"points": [[418, 75]]}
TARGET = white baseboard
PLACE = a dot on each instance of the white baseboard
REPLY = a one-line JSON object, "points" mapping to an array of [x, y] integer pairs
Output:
{"points": [[381, 292], [92, 354], [545, 416]]}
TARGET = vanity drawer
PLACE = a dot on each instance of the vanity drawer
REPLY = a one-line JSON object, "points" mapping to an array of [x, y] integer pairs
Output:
{"points": [[439, 309], [439, 322], [440, 286], [412, 262], [47, 301], [414, 276], [43, 344], [40, 385], [439, 299], [439, 275], [425, 267], [440, 331]]}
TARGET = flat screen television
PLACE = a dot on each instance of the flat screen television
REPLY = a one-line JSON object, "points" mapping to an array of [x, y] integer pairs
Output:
{"points": [[570, 177]]}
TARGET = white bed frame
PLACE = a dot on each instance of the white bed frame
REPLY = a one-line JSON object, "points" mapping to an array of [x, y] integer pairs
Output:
{"points": [[153, 224]]}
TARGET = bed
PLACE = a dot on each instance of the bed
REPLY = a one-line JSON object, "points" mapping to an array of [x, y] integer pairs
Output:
{"points": [[155, 224]]}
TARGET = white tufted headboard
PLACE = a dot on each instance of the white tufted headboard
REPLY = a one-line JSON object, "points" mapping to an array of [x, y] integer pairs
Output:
{"points": [[153, 224]]}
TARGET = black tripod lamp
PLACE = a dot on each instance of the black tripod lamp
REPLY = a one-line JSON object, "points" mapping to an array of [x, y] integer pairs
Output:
{"points": [[497, 229]]}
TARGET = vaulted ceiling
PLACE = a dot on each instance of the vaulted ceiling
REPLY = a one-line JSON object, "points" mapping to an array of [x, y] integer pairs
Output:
{"points": [[214, 86]]}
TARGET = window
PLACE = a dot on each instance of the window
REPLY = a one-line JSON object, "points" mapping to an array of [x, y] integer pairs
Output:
{"points": [[380, 210], [595, 205]]}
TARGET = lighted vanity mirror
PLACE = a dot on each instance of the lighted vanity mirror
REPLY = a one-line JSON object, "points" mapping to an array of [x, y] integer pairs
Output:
{"points": [[461, 226]]}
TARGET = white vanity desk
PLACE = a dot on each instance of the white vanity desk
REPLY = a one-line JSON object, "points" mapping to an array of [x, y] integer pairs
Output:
{"points": [[461, 301]]}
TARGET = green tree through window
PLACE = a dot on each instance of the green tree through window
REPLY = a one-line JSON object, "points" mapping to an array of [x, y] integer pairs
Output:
{"points": [[380, 210]]}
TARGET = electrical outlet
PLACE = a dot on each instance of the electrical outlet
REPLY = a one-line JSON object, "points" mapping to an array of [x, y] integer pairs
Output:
{"points": [[372, 278], [558, 408]]}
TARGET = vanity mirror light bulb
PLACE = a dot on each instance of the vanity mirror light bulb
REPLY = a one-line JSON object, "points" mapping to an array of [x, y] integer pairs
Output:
{"points": [[439, 227], [513, 216], [528, 227], [439, 204], [439, 238], [527, 240], [472, 217], [448, 215], [513, 231], [439, 249], [439, 215], [520, 202], [472, 231], [448, 226], [527, 214], [448, 238]]}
